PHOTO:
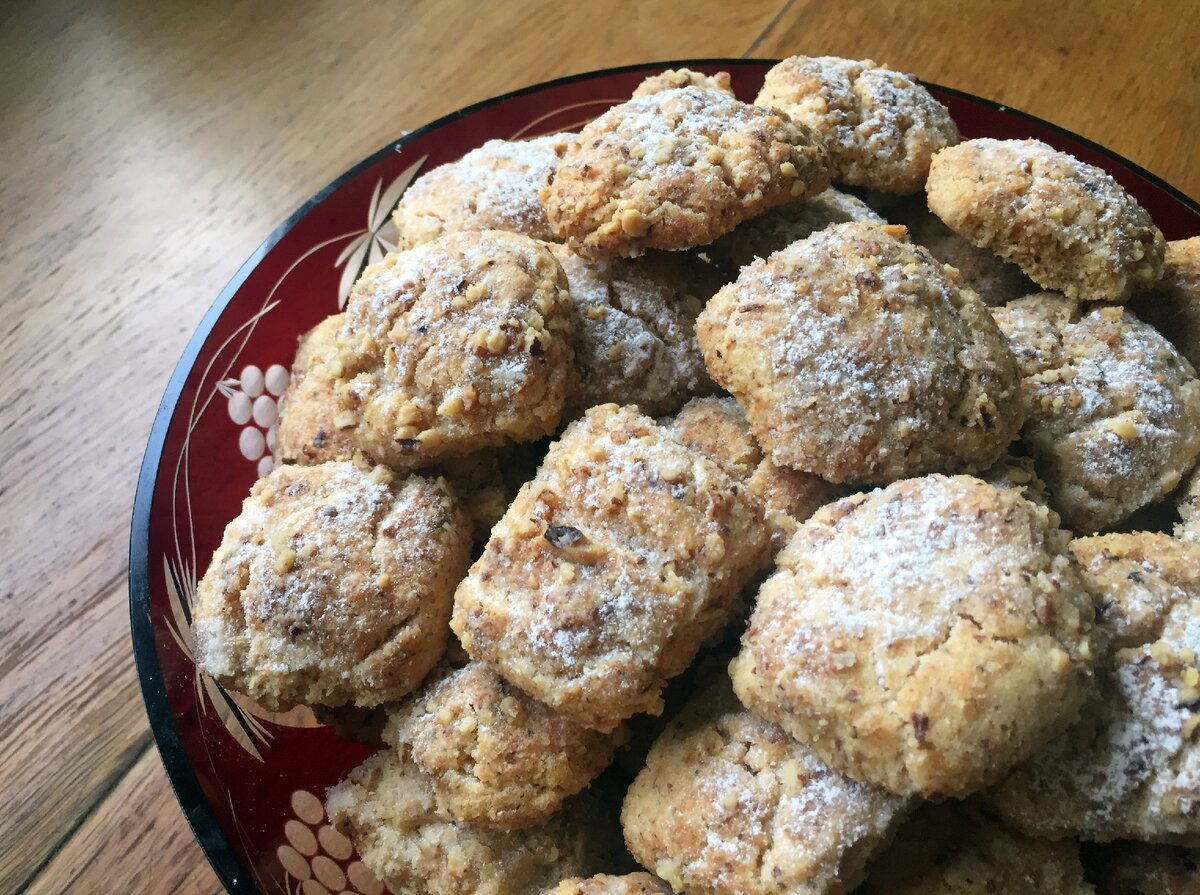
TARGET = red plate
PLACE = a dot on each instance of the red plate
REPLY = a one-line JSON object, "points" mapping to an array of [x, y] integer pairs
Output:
{"points": [[250, 782]]}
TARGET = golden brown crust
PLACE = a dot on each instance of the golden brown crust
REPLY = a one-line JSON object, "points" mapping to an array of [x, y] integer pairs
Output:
{"points": [[494, 187], [956, 850], [332, 586], [1172, 306], [1188, 504], [479, 482], [1113, 409], [1137, 579], [995, 280], [881, 126], [1012, 471], [632, 884], [1068, 225], [495, 756], [459, 344], [1133, 868], [609, 569], [717, 428], [766, 234], [674, 78], [634, 329], [1131, 767], [387, 808], [925, 637], [859, 358], [306, 432], [677, 169], [728, 804]]}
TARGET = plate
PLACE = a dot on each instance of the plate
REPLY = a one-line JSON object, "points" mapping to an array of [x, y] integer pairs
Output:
{"points": [[251, 782]]}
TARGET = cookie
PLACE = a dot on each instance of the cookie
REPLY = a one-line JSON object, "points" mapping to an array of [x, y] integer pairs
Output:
{"points": [[457, 345], [1131, 767], [495, 756], [478, 480], [1019, 472], [729, 804], [332, 586], [306, 431], [609, 569], [1172, 305], [957, 850], [1113, 409], [925, 637], [881, 126], [1188, 504], [684, 77], [859, 358], [677, 169], [634, 329], [494, 187], [766, 234], [1134, 868], [1069, 226], [388, 809], [632, 884], [995, 280]]}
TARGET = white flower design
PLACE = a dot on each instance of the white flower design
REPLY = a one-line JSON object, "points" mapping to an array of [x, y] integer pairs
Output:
{"points": [[319, 859], [253, 403], [370, 245]]}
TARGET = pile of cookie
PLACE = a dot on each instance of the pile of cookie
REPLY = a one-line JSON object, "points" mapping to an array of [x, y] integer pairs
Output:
{"points": [[820, 533]]}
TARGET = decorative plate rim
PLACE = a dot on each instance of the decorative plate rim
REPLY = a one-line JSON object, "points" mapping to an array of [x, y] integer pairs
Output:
{"points": [[229, 868]]}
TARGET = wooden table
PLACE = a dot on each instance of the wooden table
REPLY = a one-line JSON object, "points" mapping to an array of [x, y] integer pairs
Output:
{"points": [[147, 148]]}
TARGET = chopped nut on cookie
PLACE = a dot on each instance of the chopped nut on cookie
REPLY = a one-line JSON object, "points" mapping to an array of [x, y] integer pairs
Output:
{"points": [[610, 569], [333, 586], [925, 637], [677, 169]]}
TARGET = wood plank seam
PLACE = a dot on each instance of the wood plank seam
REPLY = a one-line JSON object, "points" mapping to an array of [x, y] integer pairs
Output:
{"points": [[134, 756], [783, 11]]}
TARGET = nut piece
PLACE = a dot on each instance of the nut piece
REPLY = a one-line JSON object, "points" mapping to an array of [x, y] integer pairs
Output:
{"points": [[1131, 768], [495, 756], [388, 809], [1068, 225], [677, 169], [728, 804], [1114, 410], [859, 358], [925, 637], [880, 125], [667, 539], [494, 187], [331, 587], [475, 325], [634, 329]]}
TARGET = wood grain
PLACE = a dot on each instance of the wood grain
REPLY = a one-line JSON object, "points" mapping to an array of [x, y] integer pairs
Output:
{"points": [[148, 148], [1124, 75]]}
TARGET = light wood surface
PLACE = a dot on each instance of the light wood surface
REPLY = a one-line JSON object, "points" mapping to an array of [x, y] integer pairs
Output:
{"points": [[146, 150]]}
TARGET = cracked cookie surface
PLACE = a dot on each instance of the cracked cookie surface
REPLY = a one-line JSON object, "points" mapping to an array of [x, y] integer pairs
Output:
{"points": [[458, 344], [494, 755], [881, 126], [857, 357], [1131, 767], [925, 637], [1068, 225], [609, 569], [1113, 409], [387, 808], [494, 187], [634, 329], [332, 586], [729, 804], [677, 169], [307, 432]]}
